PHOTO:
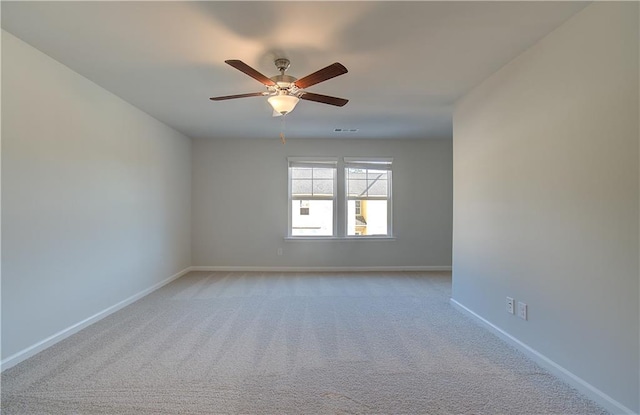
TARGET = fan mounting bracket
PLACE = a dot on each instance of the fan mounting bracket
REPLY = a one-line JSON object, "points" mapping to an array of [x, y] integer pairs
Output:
{"points": [[282, 64]]}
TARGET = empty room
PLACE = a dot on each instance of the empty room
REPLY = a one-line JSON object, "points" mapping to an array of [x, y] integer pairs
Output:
{"points": [[367, 207]]}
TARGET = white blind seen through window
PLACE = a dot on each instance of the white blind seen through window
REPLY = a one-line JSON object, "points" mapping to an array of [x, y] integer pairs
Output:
{"points": [[311, 180], [368, 180]]}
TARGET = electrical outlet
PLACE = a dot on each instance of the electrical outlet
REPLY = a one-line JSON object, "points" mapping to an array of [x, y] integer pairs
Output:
{"points": [[509, 305], [522, 310], [279, 251]]}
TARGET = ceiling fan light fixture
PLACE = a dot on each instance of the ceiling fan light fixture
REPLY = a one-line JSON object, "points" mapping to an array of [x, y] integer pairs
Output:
{"points": [[283, 104]]}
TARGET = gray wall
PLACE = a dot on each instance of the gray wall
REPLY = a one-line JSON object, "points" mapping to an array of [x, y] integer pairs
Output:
{"points": [[546, 198], [95, 198], [240, 204]]}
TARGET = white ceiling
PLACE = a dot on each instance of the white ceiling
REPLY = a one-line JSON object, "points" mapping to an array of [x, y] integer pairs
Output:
{"points": [[408, 62]]}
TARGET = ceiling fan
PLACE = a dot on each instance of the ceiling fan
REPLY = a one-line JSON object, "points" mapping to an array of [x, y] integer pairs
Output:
{"points": [[285, 91]]}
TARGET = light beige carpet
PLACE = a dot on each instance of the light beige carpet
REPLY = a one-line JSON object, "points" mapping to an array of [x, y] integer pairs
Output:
{"points": [[311, 343]]}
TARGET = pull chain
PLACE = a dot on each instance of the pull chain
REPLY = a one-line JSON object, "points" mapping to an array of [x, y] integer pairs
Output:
{"points": [[283, 125]]}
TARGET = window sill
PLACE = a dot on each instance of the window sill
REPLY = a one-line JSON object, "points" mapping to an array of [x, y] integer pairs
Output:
{"points": [[340, 238]]}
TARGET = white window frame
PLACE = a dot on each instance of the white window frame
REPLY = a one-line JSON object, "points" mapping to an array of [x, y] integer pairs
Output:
{"points": [[377, 163], [312, 162], [340, 197]]}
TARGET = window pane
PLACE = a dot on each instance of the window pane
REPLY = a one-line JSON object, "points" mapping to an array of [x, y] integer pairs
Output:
{"points": [[372, 219], [357, 187], [321, 173], [374, 174], [317, 220], [301, 187], [378, 188], [356, 174], [322, 187], [367, 182], [300, 173]]}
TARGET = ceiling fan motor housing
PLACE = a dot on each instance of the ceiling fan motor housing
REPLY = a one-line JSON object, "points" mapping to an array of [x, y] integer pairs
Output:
{"points": [[284, 81]]}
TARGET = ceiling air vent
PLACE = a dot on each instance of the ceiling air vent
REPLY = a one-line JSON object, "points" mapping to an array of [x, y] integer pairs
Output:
{"points": [[345, 130]]}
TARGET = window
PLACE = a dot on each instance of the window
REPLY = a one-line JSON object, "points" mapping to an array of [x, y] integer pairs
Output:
{"points": [[364, 202], [368, 190], [312, 197]]}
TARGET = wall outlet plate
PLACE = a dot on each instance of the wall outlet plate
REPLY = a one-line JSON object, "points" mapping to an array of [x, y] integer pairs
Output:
{"points": [[522, 310], [510, 304]]}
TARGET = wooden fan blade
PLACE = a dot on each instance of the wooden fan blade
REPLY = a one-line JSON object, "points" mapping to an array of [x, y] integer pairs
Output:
{"points": [[253, 94], [323, 74], [324, 99], [243, 67]]}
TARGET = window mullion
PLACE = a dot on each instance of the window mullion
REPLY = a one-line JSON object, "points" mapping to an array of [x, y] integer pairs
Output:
{"points": [[389, 205], [341, 201], [289, 199]]}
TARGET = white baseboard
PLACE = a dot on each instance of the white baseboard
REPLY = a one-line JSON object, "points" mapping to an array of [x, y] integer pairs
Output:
{"points": [[319, 269], [63, 334], [576, 382]]}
